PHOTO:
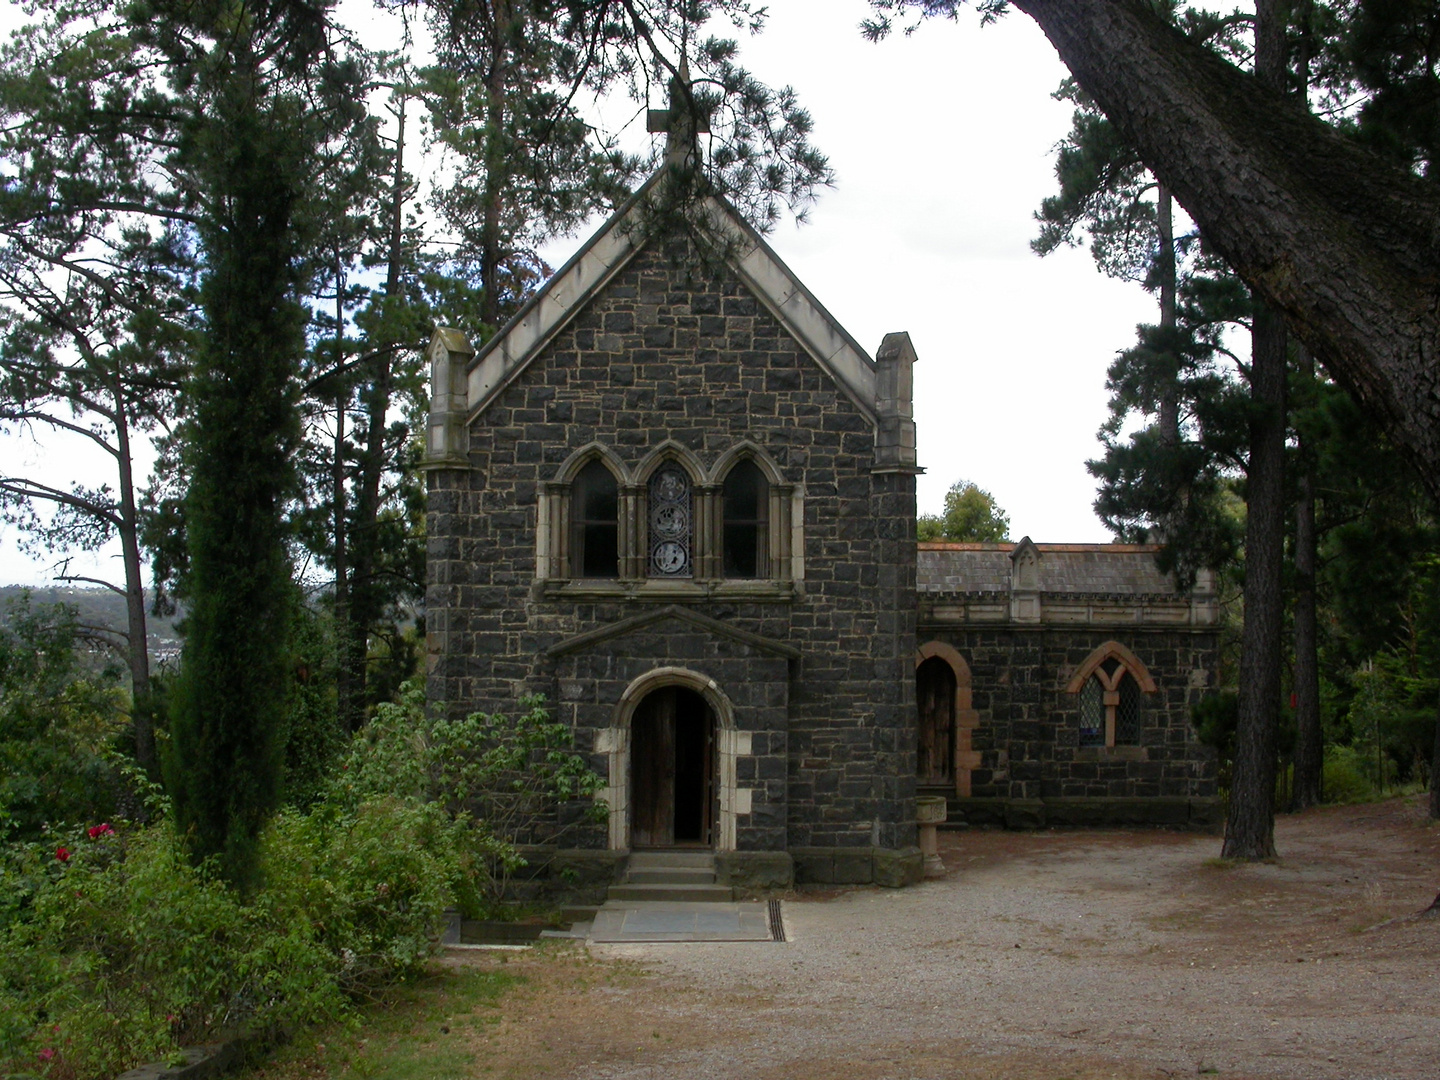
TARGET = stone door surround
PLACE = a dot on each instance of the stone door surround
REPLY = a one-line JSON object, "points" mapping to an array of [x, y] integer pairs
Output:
{"points": [[615, 742]]}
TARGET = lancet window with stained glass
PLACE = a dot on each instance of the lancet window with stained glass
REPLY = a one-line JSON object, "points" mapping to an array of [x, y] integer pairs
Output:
{"points": [[670, 523]]}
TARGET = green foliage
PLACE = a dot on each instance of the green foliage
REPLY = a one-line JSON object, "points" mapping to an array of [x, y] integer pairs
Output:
{"points": [[313, 738], [269, 102], [115, 947], [970, 514], [59, 719], [505, 780], [372, 881], [1345, 777], [131, 951]]}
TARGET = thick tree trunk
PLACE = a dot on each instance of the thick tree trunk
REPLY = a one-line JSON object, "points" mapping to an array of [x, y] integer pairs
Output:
{"points": [[1250, 830], [1309, 739], [1338, 239]]}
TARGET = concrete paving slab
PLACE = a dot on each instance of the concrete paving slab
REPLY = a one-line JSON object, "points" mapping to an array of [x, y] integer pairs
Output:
{"points": [[638, 920]]}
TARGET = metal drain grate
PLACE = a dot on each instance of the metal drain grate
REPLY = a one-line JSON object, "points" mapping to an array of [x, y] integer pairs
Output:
{"points": [[777, 924]]}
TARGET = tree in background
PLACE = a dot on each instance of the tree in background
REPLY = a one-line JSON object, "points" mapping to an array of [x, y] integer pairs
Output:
{"points": [[970, 514], [97, 303], [272, 89], [1320, 227]]}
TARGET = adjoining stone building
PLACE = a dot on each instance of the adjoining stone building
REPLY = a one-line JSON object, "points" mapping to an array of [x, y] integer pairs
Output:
{"points": [[679, 502]]}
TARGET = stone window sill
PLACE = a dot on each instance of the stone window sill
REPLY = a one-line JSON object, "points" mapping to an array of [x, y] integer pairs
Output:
{"points": [[670, 592]]}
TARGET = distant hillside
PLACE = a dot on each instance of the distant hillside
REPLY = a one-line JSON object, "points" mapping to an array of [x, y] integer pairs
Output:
{"points": [[101, 607]]}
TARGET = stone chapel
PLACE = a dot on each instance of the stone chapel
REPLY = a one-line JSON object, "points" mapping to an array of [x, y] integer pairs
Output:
{"points": [[680, 504]]}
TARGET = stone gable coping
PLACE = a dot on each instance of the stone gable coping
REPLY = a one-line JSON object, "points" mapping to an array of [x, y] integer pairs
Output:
{"points": [[684, 615], [610, 250]]}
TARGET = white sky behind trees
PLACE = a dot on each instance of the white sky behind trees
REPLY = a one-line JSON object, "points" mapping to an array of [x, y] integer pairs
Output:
{"points": [[942, 145]]}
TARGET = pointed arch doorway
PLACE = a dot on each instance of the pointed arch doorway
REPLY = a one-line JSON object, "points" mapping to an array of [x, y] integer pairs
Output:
{"points": [[673, 767]]}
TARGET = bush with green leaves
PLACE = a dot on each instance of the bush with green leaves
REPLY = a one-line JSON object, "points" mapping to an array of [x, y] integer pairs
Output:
{"points": [[504, 780], [116, 949], [61, 712], [128, 951]]}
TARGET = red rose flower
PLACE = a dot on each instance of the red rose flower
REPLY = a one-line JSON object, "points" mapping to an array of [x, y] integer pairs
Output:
{"points": [[62, 853], [103, 829]]}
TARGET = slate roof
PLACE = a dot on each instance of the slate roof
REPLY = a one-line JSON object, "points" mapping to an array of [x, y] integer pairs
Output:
{"points": [[1089, 569]]}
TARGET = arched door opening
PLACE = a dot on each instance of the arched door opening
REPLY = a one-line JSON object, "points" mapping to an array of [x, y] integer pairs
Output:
{"points": [[673, 770], [935, 699]]}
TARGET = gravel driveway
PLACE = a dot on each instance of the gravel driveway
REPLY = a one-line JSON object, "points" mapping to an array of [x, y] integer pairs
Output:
{"points": [[1045, 955]]}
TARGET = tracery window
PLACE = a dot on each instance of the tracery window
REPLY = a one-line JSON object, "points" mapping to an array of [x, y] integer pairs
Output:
{"points": [[668, 526], [745, 540], [670, 523], [1110, 685]]}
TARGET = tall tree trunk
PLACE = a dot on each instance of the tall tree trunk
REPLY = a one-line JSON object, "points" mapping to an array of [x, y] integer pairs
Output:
{"points": [[1169, 417], [367, 604], [345, 688], [1332, 235], [142, 715], [1250, 830], [1309, 739], [1309, 736]]}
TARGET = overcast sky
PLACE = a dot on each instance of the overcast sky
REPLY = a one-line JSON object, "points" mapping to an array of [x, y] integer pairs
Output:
{"points": [[942, 145]]}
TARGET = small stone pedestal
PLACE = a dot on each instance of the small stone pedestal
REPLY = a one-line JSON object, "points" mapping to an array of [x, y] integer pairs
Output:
{"points": [[930, 811]]}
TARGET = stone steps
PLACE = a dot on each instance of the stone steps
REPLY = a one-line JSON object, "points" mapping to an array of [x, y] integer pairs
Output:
{"points": [[674, 876]]}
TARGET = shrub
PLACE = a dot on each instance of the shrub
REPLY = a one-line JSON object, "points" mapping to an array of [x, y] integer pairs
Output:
{"points": [[115, 948], [127, 950], [373, 881], [1346, 777], [59, 716], [503, 780]]}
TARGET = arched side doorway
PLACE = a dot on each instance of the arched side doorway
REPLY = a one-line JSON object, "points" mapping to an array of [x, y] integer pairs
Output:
{"points": [[935, 701], [672, 753], [946, 720]]}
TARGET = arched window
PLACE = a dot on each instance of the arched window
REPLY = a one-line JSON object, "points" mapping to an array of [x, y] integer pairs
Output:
{"points": [[745, 536], [670, 517], [1110, 684], [594, 523]]}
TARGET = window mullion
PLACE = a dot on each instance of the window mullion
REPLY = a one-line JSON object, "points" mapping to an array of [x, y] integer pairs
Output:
{"points": [[634, 537]]}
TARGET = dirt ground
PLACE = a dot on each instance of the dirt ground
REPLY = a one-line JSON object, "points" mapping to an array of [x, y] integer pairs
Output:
{"points": [[1046, 956]]}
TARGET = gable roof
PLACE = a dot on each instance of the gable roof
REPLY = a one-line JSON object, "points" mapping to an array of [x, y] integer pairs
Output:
{"points": [[561, 299], [679, 614]]}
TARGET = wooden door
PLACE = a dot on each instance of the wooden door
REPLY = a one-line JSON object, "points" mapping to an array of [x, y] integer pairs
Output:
{"points": [[694, 769], [672, 770], [652, 768], [935, 700]]}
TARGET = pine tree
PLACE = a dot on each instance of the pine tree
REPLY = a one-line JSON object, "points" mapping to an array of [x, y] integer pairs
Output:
{"points": [[96, 295], [1323, 229]]}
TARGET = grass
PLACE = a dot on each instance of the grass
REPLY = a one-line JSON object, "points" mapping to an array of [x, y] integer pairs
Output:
{"points": [[413, 1032]]}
